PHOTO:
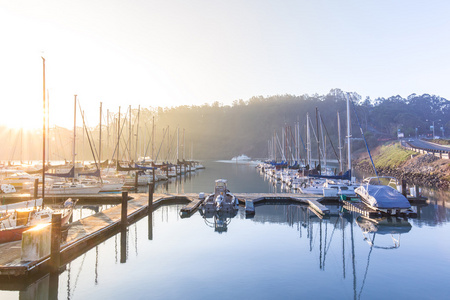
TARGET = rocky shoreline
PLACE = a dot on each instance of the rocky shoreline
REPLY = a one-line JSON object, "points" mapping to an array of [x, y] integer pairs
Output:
{"points": [[425, 170]]}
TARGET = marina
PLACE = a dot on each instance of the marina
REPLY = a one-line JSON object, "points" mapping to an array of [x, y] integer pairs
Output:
{"points": [[84, 234], [179, 202]]}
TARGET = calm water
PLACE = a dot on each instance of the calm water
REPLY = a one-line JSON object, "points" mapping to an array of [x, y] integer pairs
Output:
{"points": [[284, 252]]}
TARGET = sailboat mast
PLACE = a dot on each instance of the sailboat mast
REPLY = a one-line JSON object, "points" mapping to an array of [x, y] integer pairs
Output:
{"points": [[107, 133], [48, 125], [137, 135], [349, 135], [339, 139], [178, 142], [129, 134], [184, 145], [100, 137], [153, 140], [118, 140], [318, 140], [74, 129], [43, 134], [308, 142]]}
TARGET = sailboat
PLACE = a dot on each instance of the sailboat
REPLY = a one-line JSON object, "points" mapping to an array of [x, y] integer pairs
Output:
{"points": [[333, 186], [14, 220]]}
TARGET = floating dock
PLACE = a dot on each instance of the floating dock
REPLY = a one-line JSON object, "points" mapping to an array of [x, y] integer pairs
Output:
{"points": [[84, 234]]}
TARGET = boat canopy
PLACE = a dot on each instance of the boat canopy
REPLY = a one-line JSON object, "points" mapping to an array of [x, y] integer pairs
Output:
{"points": [[385, 197], [96, 173], [70, 174], [346, 176]]}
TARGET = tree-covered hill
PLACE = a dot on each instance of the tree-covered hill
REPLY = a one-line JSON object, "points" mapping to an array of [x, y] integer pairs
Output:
{"points": [[223, 131]]}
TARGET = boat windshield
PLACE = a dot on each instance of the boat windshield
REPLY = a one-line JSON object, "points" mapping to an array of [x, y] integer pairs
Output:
{"points": [[382, 180]]}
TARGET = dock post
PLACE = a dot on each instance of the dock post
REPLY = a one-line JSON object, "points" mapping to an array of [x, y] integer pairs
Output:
{"points": [[36, 186], [53, 286], [123, 217], [123, 245], [136, 180], [404, 187], [151, 187], [55, 242]]}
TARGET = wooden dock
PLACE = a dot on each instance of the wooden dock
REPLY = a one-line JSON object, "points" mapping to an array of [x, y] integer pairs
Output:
{"points": [[361, 208], [86, 233], [82, 235]]}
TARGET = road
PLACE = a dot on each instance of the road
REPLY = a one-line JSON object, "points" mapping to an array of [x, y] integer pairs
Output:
{"points": [[427, 145]]}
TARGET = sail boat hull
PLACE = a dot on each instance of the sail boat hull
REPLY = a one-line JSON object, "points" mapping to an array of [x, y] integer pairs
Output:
{"points": [[14, 233]]}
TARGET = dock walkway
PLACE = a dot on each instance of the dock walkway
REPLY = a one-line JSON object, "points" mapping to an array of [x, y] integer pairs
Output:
{"points": [[81, 235], [88, 232]]}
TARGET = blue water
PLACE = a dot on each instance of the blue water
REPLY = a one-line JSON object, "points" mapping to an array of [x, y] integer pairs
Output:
{"points": [[284, 252]]}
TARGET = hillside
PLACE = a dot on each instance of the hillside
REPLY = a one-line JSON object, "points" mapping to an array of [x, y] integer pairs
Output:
{"points": [[393, 160], [214, 131]]}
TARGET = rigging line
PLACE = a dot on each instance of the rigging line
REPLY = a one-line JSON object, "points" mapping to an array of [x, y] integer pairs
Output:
{"points": [[304, 148], [292, 141], [88, 133], [120, 133], [89, 140], [149, 141], [364, 137], [317, 139], [162, 141], [331, 142], [279, 145]]}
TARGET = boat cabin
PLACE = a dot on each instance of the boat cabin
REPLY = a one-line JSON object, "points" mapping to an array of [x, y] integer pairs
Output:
{"points": [[221, 187]]}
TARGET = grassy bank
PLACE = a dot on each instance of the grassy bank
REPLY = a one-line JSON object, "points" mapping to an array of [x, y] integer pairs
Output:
{"points": [[393, 160], [390, 155]]}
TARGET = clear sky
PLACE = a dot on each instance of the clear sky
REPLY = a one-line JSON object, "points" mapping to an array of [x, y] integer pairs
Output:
{"points": [[184, 52]]}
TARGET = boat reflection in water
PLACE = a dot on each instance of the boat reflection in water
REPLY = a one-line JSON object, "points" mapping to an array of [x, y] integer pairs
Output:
{"points": [[383, 226], [218, 220]]}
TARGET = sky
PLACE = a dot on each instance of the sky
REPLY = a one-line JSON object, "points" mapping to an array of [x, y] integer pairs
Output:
{"points": [[191, 52]]}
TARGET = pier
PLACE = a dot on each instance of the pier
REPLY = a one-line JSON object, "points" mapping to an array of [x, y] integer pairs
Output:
{"points": [[86, 233]]}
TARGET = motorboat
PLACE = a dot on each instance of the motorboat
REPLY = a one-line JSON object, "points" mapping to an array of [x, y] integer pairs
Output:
{"points": [[7, 189], [221, 200], [19, 179], [383, 197]]}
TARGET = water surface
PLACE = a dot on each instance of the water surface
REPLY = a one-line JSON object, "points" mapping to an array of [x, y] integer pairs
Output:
{"points": [[284, 252]]}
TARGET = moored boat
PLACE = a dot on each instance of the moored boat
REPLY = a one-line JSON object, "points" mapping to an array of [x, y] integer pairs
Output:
{"points": [[384, 198], [14, 222], [221, 200]]}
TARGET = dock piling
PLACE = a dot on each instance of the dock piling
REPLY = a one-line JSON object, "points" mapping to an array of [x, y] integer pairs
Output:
{"points": [[123, 245], [404, 187], [55, 242], [123, 216], [36, 186], [136, 180], [151, 187]]}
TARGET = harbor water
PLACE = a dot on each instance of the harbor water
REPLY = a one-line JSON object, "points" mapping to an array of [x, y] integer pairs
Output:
{"points": [[284, 252]]}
